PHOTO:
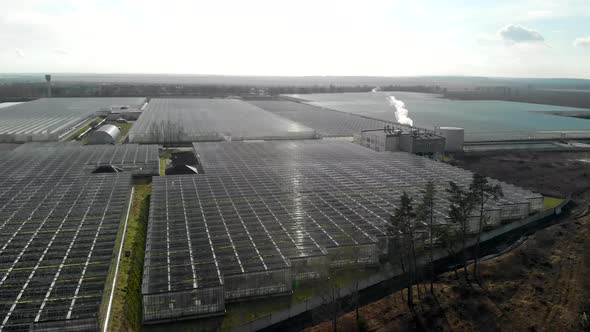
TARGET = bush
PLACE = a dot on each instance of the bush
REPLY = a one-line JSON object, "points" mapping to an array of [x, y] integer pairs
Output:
{"points": [[362, 324]]}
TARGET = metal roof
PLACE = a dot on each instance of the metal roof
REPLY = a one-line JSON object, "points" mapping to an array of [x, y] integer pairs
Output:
{"points": [[189, 120], [106, 134], [48, 118]]}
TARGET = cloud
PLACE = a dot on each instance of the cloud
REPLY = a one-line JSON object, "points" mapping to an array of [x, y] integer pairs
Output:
{"points": [[514, 33], [582, 42], [60, 51], [540, 14], [20, 53]]}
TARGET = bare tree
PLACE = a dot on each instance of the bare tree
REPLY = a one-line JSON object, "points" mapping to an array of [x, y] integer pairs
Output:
{"points": [[482, 192], [425, 213], [356, 302], [329, 294], [401, 231], [462, 204], [449, 237]]}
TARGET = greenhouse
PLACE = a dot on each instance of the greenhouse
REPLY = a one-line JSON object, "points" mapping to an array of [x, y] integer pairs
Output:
{"points": [[266, 213], [36, 159], [58, 234], [49, 119], [327, 123], [170, 121]]}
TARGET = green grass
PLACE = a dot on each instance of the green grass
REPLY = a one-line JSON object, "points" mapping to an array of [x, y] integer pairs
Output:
{"points": [[124, 129], [162, 166], [79, 132], [243, 312], [127, 310], [163, 158], [446, 158], [551, 202]]}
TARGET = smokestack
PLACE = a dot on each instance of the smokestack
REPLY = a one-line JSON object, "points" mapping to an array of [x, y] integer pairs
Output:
{"points": [[48, 79]]}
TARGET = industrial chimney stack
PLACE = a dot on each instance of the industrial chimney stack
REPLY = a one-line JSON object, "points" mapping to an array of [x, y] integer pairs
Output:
{"points": [[48, 79]]}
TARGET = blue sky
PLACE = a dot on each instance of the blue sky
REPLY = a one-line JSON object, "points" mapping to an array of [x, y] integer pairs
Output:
{"points": [[518, 38]]}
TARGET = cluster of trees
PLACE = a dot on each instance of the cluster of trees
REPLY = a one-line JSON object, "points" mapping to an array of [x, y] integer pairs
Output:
{"points": [[412, 231], [25, 91], [351, 88]]}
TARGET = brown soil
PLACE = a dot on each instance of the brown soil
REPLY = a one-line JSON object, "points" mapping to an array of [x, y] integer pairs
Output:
{"points": [[541, 285], [551, 173]]}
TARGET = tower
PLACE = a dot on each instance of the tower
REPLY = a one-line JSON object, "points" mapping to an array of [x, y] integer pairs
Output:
{"points": [[48, 79]]}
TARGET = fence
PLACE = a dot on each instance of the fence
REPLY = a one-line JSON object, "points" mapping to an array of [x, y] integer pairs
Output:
{"points": [[524, 135], [299, 308], [67, 325], [361, 254], [309, 267], [259, 283], [170, 305]]}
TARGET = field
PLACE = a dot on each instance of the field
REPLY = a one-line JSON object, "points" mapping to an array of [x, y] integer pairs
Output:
{"points": [[555, 174]]}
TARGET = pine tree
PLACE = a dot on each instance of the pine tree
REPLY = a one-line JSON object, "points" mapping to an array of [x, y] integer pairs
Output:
{"points": [[425, 213], [462, 204], [482, 192], [401, 230]]}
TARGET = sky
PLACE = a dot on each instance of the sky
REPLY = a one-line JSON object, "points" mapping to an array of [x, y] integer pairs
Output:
{"points": [[507, 38]]}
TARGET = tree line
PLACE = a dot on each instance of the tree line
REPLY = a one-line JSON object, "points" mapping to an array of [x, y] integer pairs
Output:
{"points": [[26, 91], [412, 230]]}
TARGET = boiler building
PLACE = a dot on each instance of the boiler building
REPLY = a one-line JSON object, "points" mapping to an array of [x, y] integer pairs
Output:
{"points": [[414, 141]]}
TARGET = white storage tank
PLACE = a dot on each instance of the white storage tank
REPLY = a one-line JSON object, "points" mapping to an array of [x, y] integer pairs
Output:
{"points": [[106, 134], [454, 137]]}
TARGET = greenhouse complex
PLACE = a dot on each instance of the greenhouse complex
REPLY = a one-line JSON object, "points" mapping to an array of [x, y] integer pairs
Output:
{"points": [[59, 223], [277, 195], [168, 121], [265, 213], [49, 119]]}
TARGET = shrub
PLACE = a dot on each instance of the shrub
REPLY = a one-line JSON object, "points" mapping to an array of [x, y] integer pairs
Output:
{"points": [[362, 324]]}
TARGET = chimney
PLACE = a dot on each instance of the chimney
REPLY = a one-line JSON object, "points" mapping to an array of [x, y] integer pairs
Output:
{"points": [[48, 79]]}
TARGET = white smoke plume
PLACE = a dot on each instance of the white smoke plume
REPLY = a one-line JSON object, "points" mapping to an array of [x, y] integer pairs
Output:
{"points": [[401, 113], [376, 89]]}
